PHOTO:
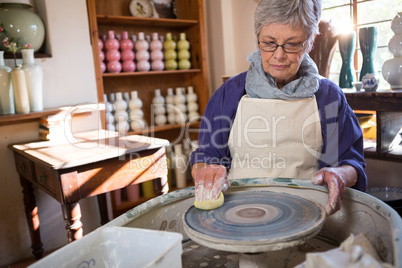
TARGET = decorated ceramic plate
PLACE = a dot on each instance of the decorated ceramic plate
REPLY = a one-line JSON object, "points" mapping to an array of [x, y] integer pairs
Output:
{"points": [[141, 8]]}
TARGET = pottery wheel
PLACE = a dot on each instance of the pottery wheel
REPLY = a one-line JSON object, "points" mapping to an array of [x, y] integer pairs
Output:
{"points": [[252, 221]]}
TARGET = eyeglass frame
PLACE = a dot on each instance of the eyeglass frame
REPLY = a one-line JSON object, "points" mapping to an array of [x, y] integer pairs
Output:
{"points": [[283, 46]]}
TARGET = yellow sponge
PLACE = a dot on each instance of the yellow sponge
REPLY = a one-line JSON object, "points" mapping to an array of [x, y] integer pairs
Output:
{"points": [[210, 204]]}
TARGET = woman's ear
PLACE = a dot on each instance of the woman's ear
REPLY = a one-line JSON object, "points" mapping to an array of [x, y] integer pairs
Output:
{"points": [[312, 43]]}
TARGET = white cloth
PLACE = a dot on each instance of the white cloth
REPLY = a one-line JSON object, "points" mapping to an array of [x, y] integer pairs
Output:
{"points": [[275, 138]]}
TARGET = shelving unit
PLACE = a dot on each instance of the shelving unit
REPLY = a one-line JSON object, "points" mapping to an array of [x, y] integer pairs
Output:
{"points": [[105, 15], [388, 109], [114, 15]]}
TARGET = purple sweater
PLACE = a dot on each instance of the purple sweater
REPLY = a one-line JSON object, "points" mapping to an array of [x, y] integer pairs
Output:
{"points": [[341, 133]]}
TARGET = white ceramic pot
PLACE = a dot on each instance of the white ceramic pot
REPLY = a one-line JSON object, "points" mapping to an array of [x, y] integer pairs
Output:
{"points": [[395, 45], [392, 72], [20, 90], [396, 23], [392, 68], [6, 89], [34, 80], [23, 24]]}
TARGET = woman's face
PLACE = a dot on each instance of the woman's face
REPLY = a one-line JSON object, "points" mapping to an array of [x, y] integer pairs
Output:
{"points": [[282, 66]]}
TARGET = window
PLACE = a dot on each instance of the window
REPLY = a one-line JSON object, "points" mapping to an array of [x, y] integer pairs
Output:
{"points": [[347, 14]]}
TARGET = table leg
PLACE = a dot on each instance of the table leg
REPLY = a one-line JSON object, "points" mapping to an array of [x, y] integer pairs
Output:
{"points": [[31, 213], [72, 216], [161, 186], [102, 203]]}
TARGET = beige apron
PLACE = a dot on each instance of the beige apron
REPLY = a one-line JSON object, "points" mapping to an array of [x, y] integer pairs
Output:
{"points": [[275, 138]]}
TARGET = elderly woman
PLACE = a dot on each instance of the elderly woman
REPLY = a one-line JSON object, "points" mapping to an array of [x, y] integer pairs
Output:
{"points": [[280, 118]]}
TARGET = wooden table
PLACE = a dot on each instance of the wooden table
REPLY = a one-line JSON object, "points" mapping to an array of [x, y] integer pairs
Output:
{"points": [[90, 164]]}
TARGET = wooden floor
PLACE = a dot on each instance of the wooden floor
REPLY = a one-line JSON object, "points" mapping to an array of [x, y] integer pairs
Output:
{"points": [[25, 263]]}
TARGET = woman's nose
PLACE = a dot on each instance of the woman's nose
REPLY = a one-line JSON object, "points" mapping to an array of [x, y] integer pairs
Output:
{"points": [[279, 53]]}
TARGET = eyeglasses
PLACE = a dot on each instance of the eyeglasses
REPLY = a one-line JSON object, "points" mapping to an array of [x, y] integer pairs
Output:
{"points": [[288, 48]]}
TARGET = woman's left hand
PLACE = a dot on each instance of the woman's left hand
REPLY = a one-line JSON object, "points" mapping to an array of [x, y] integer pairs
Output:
{"points": [[336, 179]]}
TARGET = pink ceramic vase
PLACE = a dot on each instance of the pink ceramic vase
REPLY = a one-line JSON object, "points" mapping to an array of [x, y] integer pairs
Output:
{"points": [[112, 55], [114, 66], [111, 42], [142, 55], [101, 55], [125, 42], [127, 55]]}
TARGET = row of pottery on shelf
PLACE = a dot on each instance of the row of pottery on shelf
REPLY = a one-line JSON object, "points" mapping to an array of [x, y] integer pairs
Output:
{"points": [[391, 69], [179, 109], [123, 54], [124, 112], [21, 87]]}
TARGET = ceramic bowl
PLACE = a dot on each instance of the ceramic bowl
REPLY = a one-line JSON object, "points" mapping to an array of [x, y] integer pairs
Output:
{"points": [[358, 85], [370, 82]]}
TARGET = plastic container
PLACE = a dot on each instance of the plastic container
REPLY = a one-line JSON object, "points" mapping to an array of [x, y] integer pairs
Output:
{"points": [[118, 247]]}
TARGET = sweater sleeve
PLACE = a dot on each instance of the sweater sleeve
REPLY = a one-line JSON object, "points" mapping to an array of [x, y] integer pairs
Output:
{"points": [[342, 135], [216, 123]]}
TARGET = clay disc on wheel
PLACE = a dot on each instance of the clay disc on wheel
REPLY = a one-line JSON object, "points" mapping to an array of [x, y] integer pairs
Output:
{"points": [[255, 221]]}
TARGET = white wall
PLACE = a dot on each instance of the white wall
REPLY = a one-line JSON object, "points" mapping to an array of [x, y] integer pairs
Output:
{"points": [[230, 37], [69, 79]]}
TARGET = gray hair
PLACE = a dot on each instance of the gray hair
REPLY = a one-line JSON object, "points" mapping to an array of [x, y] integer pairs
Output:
{"points": [[306, 13]]}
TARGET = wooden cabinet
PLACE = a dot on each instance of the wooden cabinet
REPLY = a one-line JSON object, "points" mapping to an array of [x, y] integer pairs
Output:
{"points": [[105, 15], [387, 107]]}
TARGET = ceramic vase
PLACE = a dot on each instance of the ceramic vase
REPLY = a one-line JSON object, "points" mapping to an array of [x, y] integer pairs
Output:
{"points": [[180, 166], [156, 53], [6, 89], [22, 23], [170, 107], [147, 189], [34, 80], [180, 104], [20, 90], [392, 68], [158, 108], [192, 105], [101, 56], [368, 46], [108, 114], [127, 54], [183, 47], [170, 53], [347, 46], [136, 113], [120, 114], [133, 192], [142, 54], [112, 54]]}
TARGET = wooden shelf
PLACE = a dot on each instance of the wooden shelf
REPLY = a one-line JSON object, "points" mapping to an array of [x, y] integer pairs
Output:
{"points": [[387, 105], [24, 118], [150, 73], [376, 101], [13, 119], [8, 55], [149, 22]]}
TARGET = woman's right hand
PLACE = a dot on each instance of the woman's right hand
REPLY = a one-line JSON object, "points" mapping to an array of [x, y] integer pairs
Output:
{"points": [[210, 181]]}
